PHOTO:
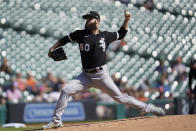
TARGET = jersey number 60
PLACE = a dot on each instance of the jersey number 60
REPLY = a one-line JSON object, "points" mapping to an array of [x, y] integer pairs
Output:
{"points": [[85, 47]]}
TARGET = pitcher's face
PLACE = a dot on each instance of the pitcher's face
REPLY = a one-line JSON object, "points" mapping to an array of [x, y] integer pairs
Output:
{"points": [[91, 23]]}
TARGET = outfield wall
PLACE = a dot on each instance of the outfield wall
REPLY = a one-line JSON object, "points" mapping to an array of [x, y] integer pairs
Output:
{"points": [[81, 110]]}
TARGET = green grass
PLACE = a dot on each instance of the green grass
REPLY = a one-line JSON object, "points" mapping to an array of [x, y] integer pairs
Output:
{"points": [[28, 127], [38, 126]]}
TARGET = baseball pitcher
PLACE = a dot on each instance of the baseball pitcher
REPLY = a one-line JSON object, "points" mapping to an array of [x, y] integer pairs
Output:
{"points": [[93, 44]]}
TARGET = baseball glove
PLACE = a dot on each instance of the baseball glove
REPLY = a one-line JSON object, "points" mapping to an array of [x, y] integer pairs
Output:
{"points": [[58, 54]]}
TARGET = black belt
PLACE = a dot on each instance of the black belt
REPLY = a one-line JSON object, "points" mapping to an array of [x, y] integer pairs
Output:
{"points": [[93, 70]]}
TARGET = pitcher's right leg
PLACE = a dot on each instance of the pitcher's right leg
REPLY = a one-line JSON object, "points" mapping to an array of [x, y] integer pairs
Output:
{"points": [[108, 86]]}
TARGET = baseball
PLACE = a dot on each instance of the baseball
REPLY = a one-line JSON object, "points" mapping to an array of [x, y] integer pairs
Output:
{"points": [[127, 13]]}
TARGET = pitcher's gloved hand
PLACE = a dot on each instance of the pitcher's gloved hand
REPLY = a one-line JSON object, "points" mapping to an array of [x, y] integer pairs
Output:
{"points": [[57, 54]]}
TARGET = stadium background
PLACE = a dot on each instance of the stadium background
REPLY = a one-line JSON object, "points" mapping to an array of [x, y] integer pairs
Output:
{"points": [[151, 63]]}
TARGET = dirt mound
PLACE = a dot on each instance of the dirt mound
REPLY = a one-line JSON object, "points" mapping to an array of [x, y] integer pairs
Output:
{"points": [[166, 123]]}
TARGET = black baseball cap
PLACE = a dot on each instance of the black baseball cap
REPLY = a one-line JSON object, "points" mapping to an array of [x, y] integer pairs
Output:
{"points": [[93, 14]]}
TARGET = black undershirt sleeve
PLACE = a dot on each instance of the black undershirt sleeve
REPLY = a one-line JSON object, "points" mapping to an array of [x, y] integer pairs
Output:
{"points": [[64, 40], [122, 32]]}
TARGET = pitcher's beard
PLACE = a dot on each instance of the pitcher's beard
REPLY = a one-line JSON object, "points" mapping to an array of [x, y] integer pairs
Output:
{"points": [[91, 27]]}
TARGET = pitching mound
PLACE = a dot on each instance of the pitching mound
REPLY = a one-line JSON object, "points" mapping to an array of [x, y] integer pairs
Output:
{"points": [[166, 123]]}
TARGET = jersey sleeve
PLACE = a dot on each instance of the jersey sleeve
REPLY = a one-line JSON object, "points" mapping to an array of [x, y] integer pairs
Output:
{"points": [[69, 38], [111, 36], [74, 36]]}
